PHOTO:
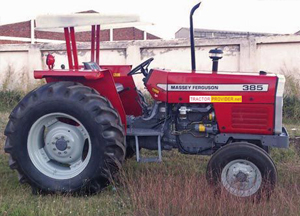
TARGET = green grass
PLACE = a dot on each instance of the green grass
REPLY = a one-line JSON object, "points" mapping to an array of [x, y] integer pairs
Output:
{"points": [[291, 99], [175, 187], [9, 99]]}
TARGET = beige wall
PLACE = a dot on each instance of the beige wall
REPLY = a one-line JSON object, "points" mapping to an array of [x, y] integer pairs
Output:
{"points": [[271, 54]]}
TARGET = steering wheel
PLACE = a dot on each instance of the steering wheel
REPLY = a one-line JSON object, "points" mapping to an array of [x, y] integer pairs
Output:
{"points": [[141, 68]]}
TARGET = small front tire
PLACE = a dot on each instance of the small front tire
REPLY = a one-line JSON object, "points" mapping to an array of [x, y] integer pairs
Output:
{"points": [[243, 170]]}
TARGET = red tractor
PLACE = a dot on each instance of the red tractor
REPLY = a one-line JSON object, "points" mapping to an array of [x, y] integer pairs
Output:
{"points": [[73, 133]]}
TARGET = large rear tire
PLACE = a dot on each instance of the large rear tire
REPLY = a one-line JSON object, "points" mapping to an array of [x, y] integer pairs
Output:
{"points": [[65, 137], [243, 170]]}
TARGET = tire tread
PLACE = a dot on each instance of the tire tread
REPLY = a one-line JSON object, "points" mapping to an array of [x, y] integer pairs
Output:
{"points": [[92, 101]]}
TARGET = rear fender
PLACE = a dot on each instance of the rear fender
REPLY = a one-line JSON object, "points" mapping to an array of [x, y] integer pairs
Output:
{"points": [[102, 81]]}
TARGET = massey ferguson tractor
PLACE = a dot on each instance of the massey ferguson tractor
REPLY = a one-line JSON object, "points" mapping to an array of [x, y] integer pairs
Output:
{"points": [[73, 134]]}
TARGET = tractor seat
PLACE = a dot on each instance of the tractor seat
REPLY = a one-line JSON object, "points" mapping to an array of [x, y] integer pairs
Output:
{"points": [[95, 66], [119, 87]]}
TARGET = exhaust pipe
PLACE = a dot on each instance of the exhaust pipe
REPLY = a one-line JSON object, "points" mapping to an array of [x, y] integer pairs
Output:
{"points": [[215, 55], [192, 37]]}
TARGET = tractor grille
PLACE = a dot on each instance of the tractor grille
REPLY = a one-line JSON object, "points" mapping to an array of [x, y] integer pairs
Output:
{"points": [[249, 118]]}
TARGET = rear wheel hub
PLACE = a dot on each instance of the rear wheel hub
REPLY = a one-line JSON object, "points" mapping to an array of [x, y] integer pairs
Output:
{"points": [[58, 148], [61, 144]]}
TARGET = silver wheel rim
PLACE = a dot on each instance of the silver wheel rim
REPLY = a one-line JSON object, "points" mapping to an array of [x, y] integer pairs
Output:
{"points": [[241, 178], [59, 146]]}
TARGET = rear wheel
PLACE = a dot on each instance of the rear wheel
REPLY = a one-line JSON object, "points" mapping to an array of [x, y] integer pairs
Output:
{"points": [[65, 137], [243, 170]]}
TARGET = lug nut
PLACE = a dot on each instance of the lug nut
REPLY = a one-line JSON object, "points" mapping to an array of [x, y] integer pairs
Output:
{"points": [[59, 153], [54, 149], [56, 138], [65, 152], [69, 147]]}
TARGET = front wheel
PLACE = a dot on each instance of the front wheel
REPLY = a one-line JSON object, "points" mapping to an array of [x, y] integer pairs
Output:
{"points": [[65, 137], [243, 170]]}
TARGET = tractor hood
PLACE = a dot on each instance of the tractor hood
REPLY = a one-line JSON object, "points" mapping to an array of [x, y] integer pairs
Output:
{"points": [[235, 95]]}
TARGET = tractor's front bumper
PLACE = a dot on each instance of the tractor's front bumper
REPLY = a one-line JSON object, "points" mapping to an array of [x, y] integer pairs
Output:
{"points": [[277, 141]]}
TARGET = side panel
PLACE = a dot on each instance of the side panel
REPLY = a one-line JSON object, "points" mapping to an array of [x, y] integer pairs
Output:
{"points": [[251, 113], [245, 118], [157, 77], [243, 103], [129, 96]]}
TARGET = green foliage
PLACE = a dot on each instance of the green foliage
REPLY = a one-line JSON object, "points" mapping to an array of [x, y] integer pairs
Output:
{"points": [[9, 99], [285, 155], [291, 108], [8, 77], [291, 99]]}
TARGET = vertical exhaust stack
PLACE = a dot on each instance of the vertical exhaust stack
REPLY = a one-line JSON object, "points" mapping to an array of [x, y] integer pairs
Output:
{"points": [[192, 37]]}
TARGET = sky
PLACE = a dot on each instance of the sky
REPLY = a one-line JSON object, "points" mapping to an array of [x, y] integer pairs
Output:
{"points": [[272, 16]]}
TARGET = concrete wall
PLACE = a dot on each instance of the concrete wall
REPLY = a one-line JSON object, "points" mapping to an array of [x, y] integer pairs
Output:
{"points": [[272, 54], [217, 34]]}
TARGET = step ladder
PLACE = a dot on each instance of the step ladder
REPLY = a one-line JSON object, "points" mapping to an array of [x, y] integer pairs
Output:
{"points": [[146, 132]]}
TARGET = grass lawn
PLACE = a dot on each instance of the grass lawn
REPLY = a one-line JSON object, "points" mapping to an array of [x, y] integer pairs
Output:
{"points": [[177, 186]]}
